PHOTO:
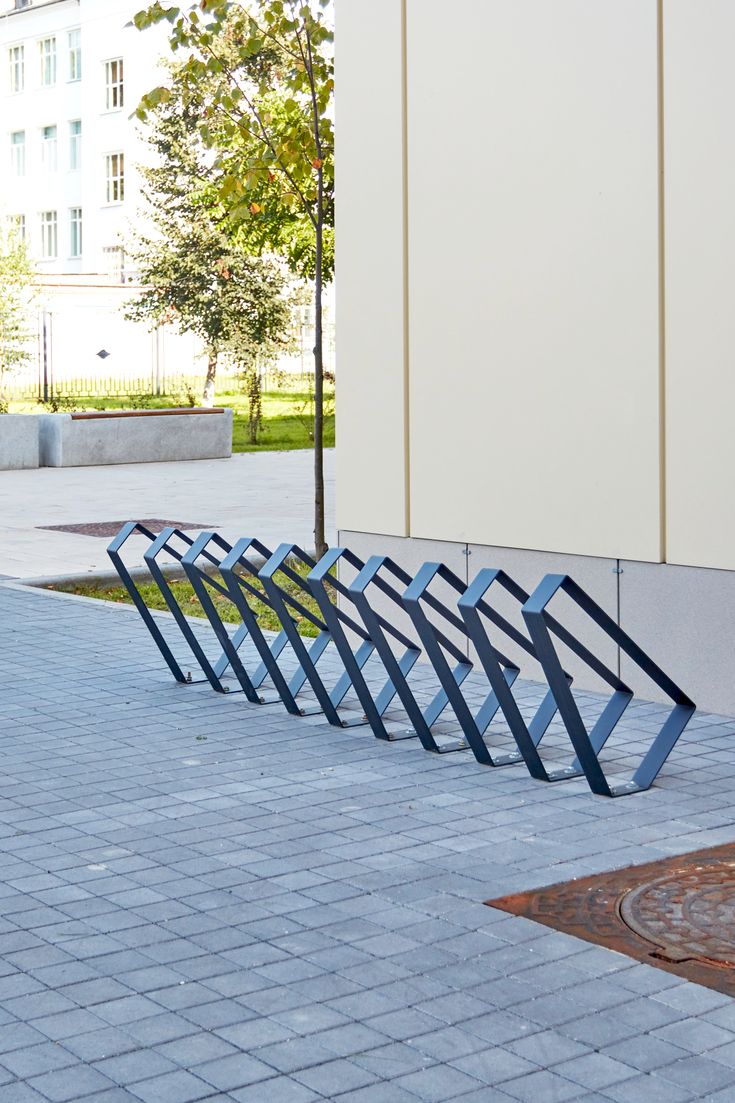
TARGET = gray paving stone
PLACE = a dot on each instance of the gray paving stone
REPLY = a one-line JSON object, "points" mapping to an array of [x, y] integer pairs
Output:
{"points": [[280, 1090], [494, 1065], [649, 1089], [543, 1085], [646, 1052], [236, 1070], [595, 1071], [334, 1078], [288, 901], [47, 1057], [694, 1036], [378, 1093], [172, 1087], [698, 1074], [67, 1085]]}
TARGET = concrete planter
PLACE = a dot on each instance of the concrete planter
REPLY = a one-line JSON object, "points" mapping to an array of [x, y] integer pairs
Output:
{"points": [[140, 436], [18, 441]]}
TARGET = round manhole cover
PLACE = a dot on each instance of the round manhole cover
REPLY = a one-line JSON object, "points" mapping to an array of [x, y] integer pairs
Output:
{"points": [[689, 913]]}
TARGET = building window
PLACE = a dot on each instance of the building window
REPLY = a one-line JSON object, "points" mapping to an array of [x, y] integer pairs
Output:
{"points": [[16, 56], [47, 47], [18, 153], [114, 260], [114, 84], [17, 226], [75, 231], [49, 149], [49, 235], [75, 55], [75, 145], [115, 175]]}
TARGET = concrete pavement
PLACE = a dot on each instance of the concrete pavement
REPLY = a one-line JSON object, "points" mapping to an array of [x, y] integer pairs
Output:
{"points": [[263, 494], [204, 899]]}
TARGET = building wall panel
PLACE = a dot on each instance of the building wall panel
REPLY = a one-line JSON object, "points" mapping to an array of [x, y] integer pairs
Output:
{"points": [[533, 274], [700, 277], [371, 454]]}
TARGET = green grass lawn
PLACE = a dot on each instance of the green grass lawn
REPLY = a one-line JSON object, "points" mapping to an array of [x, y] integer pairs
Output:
{"points": [[189, 602], [287, 417]]}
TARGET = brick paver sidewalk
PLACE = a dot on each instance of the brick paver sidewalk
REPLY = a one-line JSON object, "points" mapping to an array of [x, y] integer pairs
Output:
{"points": [[202, 899]]}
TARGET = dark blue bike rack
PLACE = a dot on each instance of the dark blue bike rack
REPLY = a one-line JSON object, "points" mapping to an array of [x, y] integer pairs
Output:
{"points": [[422, 719], [247, 573], [203, 583], [473, 725], [236, 570], [308, 656], [158, 544], [476, 611], [323, 586], [588, 744]]}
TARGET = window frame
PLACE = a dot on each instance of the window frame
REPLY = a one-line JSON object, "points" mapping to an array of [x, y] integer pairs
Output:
{"points": [[75, 145], [18, 154], [49, 59], [49, 233], [74, 54], [17, 226], [50, 149], [17, 68], [76, 233], [115, 180], [114, 84]]}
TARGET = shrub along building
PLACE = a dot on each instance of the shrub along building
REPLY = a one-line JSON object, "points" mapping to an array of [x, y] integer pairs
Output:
{"points": [[536, 246]]}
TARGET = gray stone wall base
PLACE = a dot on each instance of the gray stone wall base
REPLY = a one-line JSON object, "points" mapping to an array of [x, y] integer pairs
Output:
{"points": [[18, 441], [69, 442], [684, 617]]}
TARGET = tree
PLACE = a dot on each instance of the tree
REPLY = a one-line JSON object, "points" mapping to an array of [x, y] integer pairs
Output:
{"points": [[269, 126], [16, 278], [196, 273]]}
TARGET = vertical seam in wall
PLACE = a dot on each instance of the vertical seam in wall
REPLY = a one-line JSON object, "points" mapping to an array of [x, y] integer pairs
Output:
{"points": [[618, 573], [406, 310], [661, 278], [467, 554]]}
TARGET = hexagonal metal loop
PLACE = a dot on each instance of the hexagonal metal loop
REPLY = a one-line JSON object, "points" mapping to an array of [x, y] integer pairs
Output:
{"points": [[542, 627], [321, 580]]}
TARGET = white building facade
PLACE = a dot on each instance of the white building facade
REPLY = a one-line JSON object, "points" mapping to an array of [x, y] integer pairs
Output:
{"points": [[535, 322], [73, 72]]}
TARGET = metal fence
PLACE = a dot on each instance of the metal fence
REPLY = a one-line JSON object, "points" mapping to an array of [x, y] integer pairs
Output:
{"points": [[83, 351]]}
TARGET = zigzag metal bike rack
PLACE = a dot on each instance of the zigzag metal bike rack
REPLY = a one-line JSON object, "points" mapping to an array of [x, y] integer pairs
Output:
{"points": [[202, 583], [337, 621], [213, 672], [476, 612], [501, 676], [320, 581], [422, 719], [588, 744], [238, 574], [478, 622]]}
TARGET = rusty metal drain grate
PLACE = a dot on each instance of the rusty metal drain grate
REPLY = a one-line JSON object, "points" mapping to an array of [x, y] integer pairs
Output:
{"points": [[111, 528], [677, 914]]}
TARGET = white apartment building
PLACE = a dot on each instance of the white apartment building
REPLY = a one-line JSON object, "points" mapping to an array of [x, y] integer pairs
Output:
{"points": [[72, 73]]}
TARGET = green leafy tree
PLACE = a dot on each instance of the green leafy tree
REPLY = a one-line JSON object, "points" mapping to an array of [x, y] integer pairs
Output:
{"points": [[196, 273], [16, 295], [268, 122]]}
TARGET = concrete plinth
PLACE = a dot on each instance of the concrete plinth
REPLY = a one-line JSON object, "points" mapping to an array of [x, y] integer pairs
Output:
{"points": [[145, 436], [18, 441]]}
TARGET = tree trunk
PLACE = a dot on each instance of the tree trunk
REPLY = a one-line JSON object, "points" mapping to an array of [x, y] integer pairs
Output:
{"points": [[320, 543], [208, 395]]}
